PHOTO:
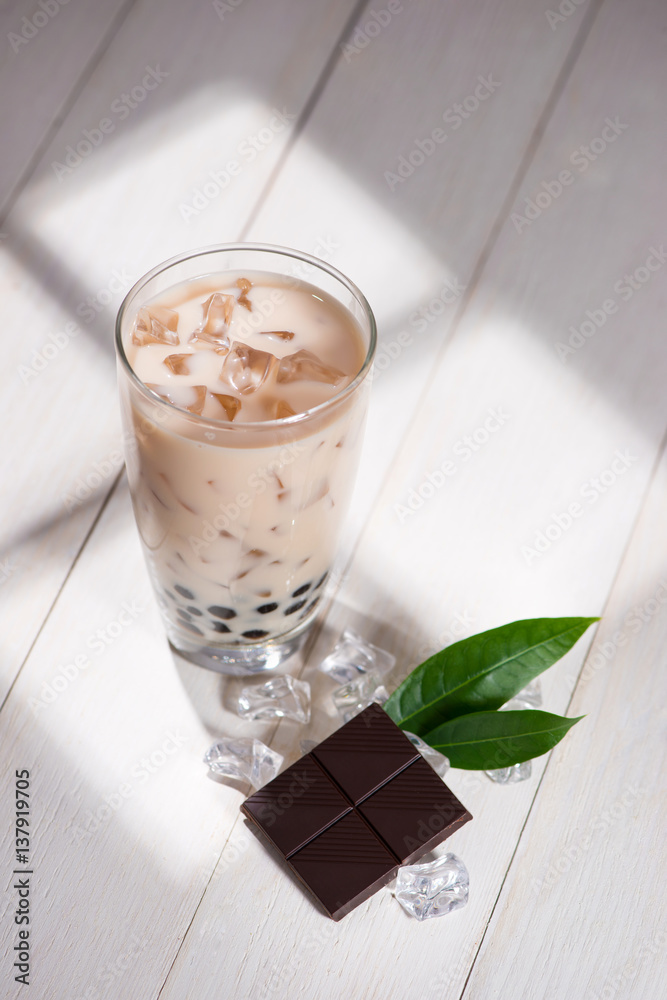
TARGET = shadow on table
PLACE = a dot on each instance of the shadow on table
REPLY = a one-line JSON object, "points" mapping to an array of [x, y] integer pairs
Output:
{"points": [[362, 113]]}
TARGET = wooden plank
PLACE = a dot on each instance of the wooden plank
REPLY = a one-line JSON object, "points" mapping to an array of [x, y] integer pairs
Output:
{"points": [[74, 246], [582, 913], [46, 50]]}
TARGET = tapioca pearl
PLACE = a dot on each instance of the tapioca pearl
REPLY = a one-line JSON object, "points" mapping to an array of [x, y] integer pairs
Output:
{"points": [[219, 612], [301, 590], [255, 633], [194, 611], [170, 595], [185, 615], [184, 592], [293, 608], [220, 627], [265, 609], [304, 614], [191, 627], [320, 581]]}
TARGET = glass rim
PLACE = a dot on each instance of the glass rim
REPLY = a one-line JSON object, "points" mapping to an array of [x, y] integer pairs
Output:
{"points": [[257, 425]]}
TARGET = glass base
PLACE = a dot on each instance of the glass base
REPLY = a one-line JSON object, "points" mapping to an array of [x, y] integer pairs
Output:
{"points": [[239, 661]]}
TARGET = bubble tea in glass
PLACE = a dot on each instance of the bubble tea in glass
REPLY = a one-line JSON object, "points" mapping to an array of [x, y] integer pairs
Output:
{"points": [[242, 373]]}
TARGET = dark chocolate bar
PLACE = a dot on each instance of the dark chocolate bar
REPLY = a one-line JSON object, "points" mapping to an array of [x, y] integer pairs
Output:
{"points": [[359, 805]]}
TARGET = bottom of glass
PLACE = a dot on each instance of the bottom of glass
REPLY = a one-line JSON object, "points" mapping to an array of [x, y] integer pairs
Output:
{"points": [[239, 661]]}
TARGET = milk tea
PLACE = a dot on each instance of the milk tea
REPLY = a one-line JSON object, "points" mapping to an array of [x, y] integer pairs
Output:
{"points": [[240, 484]]}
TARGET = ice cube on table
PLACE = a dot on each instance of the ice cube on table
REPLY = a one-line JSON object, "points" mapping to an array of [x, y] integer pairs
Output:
{"points": [[280, 698], [528, 697], [434, 888], [245, 759], [245, 368], [510, 775], [352, 656], [355, 696], [437, 760], [306, 365], [187, 397], [155, 326]]}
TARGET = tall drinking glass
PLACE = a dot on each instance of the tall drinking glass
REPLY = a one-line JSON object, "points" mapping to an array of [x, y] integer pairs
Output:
{"points": [[243, 385]]}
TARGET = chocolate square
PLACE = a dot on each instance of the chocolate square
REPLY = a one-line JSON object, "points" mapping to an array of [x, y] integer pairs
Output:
{"points": [[344, 865], [365, 752], [296, 806], [414, 811], [348, 814]]}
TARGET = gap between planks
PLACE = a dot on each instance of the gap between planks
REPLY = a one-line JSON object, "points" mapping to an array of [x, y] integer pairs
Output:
{"points": [[631, 534], [60, 589], [68, 103]]}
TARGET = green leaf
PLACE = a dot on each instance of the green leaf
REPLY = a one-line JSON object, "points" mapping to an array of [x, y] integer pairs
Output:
{"points": [[485, 741], [482, 672]]}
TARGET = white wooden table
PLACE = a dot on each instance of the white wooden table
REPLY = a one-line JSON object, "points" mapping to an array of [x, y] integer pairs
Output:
{"points": [[516, 264]]}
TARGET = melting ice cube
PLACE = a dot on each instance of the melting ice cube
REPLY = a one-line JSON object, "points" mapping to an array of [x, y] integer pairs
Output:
{"points": [[187, 397], [246, 368], [155, 326], [230, 404], [178, 363], [283, 410], [245, 285], [218, 310], [277, 409], [306, 365]]}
